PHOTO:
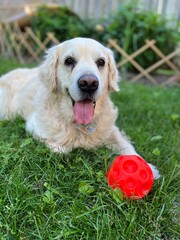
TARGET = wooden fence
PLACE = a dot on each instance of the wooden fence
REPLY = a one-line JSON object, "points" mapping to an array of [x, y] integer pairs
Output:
{"points": [[25, 47], [146, 72]]}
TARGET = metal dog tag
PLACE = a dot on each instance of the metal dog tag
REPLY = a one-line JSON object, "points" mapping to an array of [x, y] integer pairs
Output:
{"points": [[87, 129]]}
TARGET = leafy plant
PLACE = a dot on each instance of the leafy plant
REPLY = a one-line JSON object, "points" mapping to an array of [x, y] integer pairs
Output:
{"points": [[64, 23], [132, 27]]}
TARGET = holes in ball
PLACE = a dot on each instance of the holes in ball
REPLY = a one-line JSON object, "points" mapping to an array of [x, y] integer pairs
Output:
{"points": [[130, 183], [143, 174], [130, 166]]}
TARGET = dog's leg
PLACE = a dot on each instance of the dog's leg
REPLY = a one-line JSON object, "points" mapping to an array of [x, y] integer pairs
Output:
{"points": [[57, 148], [120, 143]]}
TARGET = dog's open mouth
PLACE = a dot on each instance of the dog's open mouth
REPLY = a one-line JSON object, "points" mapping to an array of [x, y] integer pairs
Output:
{"points": [[84, 111]]}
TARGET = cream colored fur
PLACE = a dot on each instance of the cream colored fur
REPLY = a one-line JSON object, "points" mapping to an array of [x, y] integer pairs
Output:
{"points": [[42, 97]]}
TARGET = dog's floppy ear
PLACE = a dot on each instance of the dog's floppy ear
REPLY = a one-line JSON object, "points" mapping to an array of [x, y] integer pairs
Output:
{"points": [[113, 77], [48, 69]]}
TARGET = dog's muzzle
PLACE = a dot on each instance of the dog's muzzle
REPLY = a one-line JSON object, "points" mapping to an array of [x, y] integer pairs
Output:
{"points": [[84, 107], [88, 85]]}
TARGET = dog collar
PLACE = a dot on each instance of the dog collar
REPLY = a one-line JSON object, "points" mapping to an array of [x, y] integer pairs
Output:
{"points": [[86, 129]]}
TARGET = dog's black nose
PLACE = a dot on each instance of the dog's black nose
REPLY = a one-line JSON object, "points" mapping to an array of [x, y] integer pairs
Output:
{"points": [[88, 82]]}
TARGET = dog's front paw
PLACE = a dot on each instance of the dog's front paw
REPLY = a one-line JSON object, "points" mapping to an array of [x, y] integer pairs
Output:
{"points": [[57, 148], [155, 171]]}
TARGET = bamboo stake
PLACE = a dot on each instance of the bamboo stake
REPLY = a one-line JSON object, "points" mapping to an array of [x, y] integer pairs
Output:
{"points": [[7, 43], [53, 38], [18, 46], [28, 47], [33, 36], [11, 40], [2, 41], [15, 45]]}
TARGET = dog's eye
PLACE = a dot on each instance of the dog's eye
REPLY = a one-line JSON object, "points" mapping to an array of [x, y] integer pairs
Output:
{"points": [[100, 62], [70, 62]]}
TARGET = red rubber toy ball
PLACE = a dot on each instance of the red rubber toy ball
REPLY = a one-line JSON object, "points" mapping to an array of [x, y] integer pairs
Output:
{"points": [[132, 175]]}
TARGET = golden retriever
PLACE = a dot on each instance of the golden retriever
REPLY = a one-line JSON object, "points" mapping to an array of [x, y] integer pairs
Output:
{"points": [[65, 102]]}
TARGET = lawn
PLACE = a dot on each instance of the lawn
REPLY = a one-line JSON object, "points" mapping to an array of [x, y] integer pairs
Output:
{"points": [[48, 196]]}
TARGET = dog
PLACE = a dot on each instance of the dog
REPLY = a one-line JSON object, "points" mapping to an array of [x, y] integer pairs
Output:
{"points": [[65, 101]]}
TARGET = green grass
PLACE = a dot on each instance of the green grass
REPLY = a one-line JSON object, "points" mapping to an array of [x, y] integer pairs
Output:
{"points": [[44, 195], [8, 65]]}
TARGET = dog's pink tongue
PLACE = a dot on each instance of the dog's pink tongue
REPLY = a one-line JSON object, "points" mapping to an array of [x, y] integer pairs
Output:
{"points": [[83, 112]]}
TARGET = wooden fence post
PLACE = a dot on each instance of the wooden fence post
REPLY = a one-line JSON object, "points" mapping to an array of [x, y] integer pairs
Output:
{"points": [[136, 53], [157, 64], [132, 61], [161, 55]]}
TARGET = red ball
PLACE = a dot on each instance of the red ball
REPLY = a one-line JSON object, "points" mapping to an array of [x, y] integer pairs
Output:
{"points": [[132, 175]]}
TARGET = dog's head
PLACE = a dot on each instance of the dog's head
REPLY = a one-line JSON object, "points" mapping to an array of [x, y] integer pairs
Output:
{"points": [[82, 70]]}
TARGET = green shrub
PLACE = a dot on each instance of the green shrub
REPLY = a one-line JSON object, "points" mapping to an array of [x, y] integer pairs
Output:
{"points": [[62, 21], [132, 27], [128, 25]]}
